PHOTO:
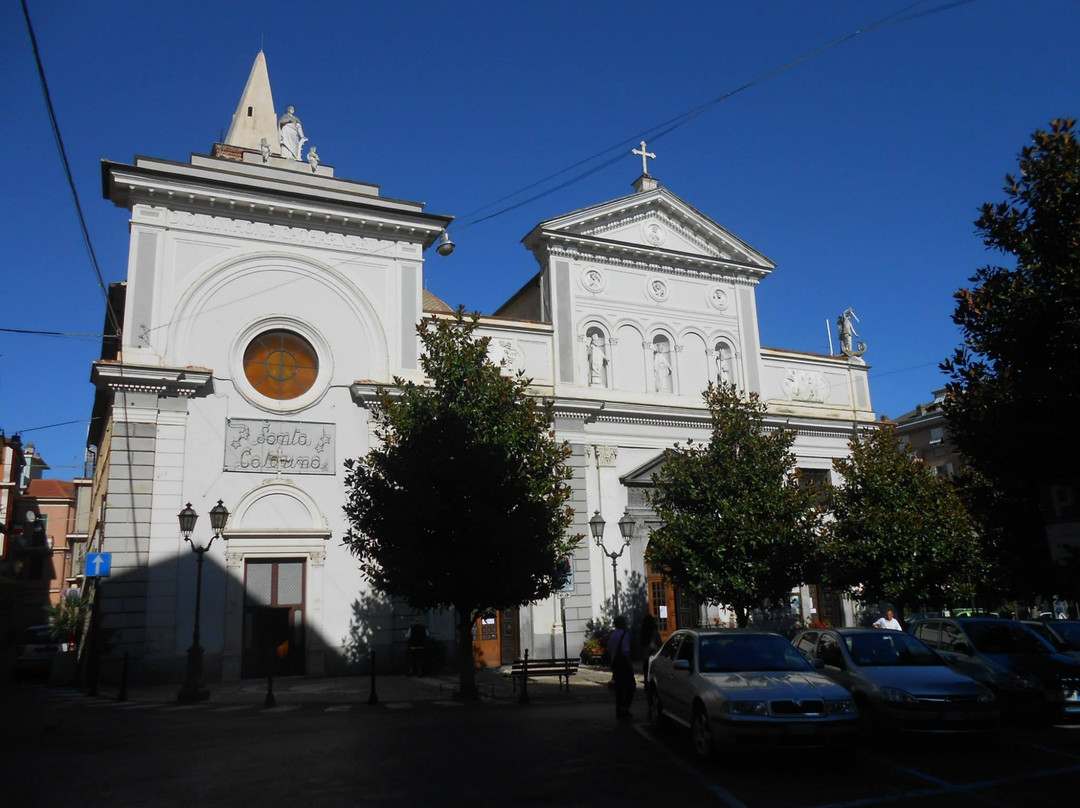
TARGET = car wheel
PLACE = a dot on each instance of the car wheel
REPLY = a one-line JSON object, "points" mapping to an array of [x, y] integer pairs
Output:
{"points": [[657, 718], [701, 730]]}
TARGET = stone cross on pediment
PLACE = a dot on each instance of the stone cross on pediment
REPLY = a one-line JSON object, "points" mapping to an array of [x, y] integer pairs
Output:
{"points": [[645, 155]]}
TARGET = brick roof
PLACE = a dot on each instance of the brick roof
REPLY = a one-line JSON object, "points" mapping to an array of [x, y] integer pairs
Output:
{"points": [[51, 489]]}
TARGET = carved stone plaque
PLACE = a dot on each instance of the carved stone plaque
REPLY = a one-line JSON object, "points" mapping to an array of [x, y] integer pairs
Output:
{"points": [[269, 447]]}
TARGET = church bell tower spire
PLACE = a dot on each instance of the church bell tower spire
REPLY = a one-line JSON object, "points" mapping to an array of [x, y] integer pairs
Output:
{"points": [[255, 119]]}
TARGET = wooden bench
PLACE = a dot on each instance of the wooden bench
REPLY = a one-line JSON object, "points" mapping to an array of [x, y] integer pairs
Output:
{"points": [[563, 668]]}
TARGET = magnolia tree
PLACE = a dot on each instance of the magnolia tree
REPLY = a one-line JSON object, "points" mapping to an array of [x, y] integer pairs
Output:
{"points": [[1014, 386], [462, 503], [899, 531], [737, 528]]}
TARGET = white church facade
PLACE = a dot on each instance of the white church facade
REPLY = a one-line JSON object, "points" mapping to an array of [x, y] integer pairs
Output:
{"points": [[266, 300]]}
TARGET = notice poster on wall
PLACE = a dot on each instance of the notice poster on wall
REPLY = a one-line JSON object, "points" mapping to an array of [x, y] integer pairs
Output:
{"points": [[663, 612]]}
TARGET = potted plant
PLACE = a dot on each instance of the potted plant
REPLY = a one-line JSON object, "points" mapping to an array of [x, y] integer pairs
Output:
{"points": [[66, 620], [592, 652]]}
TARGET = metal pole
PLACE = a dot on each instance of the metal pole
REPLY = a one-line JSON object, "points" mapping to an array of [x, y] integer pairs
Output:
{"points": [[372, 698], [524, 697], [562, 608], [192, 689], [615, 578], [566, 657], [198, 597]]}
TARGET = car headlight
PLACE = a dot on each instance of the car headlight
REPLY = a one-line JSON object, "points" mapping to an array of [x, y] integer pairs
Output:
{"points": [[985, 695], [895, 695], [748, 708], [840, 707]]}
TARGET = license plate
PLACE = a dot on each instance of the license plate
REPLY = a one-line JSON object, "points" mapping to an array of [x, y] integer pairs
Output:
{"points": [[953, 716], [801, 729]]}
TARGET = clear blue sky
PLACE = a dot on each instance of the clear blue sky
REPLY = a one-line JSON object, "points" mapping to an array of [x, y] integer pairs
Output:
{"points": [[858, 171]]}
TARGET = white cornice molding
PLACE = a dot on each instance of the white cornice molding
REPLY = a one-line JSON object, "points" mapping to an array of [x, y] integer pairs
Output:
{"points": [[364, 242], [172, 382], [176, 187], [698, 418], [648, 259]]}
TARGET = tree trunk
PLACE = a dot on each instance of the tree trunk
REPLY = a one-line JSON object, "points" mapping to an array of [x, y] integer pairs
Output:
{"points": [[742, 616], [466, 666]]}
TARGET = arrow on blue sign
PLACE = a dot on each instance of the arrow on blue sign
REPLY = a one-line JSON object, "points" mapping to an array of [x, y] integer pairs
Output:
{"points": [[98, 565]]}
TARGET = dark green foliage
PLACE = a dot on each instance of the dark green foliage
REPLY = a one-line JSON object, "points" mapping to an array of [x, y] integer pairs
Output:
{"points": [[67, 618], [737, 528], [462, 503], [1014, 385], [900, 532]]}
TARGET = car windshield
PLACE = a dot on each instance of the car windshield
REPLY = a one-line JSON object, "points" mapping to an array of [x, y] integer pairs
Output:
{"points": [[1005, 638], [888, 649], [1070, 633], [727, 653]]}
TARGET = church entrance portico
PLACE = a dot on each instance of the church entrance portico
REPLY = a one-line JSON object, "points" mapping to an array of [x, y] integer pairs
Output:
{"points": [[274, 599], [273, 630]]}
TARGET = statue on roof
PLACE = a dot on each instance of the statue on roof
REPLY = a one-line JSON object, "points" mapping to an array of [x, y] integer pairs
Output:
{"points": [[292, 134], [847, 331], [313, 159]]}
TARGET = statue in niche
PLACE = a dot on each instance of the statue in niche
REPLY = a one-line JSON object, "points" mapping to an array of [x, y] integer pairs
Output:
{"points": [[661, 369], [597, 360], [292, 134], [313, 159], [847, 331], [723, 366]]}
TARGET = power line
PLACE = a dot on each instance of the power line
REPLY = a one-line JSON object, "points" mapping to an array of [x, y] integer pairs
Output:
{"points": [[37, 333], [667, 127], [115, 324], [50, 426]]}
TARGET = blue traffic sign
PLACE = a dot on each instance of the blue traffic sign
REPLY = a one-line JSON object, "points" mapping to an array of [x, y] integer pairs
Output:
{"points": [[98, 565]]}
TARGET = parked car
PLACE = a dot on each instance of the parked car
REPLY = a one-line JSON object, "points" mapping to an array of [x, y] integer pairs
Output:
{"points": [[900, 683], [736, 686], [1029, 677], [36, 651], [1064, 635]]}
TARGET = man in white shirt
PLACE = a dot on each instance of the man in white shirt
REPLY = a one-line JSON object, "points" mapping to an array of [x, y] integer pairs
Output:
{"points": [[888, 621]]}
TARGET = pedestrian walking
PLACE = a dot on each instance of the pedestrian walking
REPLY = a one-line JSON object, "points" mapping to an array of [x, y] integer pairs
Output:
{"points": [[622, 669]]}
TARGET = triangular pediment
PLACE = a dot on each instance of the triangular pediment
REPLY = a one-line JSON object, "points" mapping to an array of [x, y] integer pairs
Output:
{"points": [[643, 474], [651, 222]]}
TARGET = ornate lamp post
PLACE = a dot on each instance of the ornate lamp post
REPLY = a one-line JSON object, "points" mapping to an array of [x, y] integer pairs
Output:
{"points": [[626, 528], [192, 689]]}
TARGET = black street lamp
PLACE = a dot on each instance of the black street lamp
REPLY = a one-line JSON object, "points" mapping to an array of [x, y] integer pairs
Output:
{"points": [[192, 689], [626, 528]]}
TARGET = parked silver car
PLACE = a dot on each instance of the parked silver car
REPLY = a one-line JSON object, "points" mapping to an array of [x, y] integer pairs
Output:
{"points": [[36, 652], [900, 683], [737, 686]]}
